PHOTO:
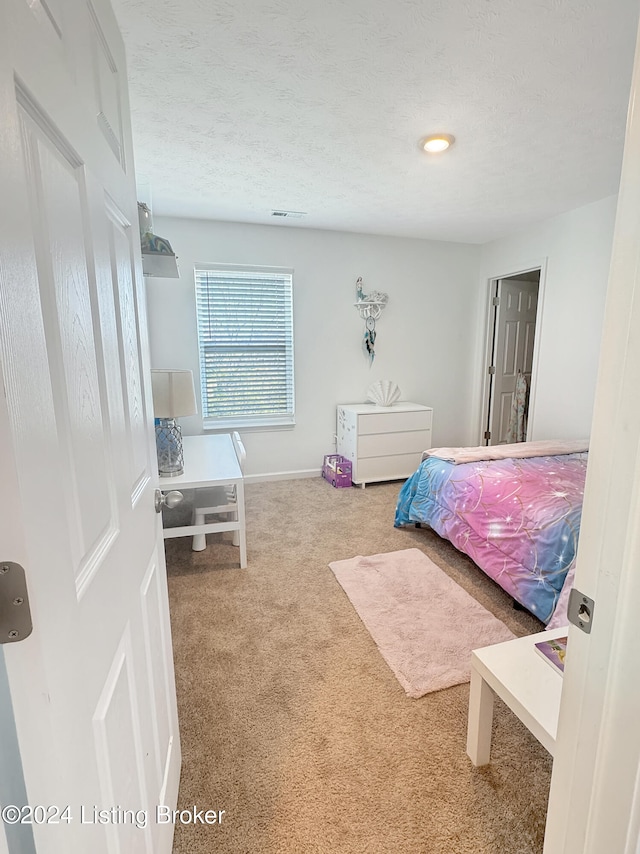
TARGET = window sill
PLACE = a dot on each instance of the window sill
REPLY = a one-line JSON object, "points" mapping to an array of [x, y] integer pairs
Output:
{"points": [[246, 425]]}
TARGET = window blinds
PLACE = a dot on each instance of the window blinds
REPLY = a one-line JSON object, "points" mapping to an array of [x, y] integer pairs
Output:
{"points": [[245, 336]]}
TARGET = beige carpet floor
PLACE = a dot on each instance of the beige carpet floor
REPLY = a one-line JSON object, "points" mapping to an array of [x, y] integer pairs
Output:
{"points": [[290, 719]]}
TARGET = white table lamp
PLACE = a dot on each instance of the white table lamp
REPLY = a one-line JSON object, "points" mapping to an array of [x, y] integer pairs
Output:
{"points": [[173, 397]]}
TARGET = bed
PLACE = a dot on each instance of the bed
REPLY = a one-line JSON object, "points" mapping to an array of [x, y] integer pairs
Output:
{"points": [[513, 509]]}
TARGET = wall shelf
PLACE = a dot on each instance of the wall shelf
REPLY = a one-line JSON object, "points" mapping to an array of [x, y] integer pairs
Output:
{"points": [[370, 308]]}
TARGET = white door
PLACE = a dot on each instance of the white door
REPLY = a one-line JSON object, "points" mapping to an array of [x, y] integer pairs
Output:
{"points": [[93, 686], [594, 804], [514, 338]]}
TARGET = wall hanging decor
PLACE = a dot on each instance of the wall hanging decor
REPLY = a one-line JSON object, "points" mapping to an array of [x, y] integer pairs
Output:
{"points": [[370, 308], [158, 258]]}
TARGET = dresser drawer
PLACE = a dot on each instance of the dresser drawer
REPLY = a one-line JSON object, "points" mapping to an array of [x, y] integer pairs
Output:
{"points": [[393, 422], [396, 467], [388, 444]]}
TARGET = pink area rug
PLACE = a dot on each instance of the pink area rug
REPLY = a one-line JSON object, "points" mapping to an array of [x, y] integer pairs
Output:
{"points": [[424, 624]]}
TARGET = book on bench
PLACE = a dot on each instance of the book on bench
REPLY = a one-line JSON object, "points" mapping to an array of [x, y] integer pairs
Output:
{"points": [[554, 651]]}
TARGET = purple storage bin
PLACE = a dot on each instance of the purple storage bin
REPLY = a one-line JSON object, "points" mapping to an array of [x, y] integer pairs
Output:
{"points": [[337, 470]]}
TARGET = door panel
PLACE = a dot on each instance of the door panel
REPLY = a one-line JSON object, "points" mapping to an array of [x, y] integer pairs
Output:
{"points": [[504, 412], [509, 355], [159, 676], [62, 272], [50, 14], [119, 753], [136, 434], [107, 88]]}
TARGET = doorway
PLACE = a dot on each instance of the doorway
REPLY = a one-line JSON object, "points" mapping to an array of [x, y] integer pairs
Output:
{"points": [[513, 316]]}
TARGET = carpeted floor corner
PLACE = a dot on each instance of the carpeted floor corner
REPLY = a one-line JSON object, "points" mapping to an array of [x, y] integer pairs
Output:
{"points": [[293, 724]]}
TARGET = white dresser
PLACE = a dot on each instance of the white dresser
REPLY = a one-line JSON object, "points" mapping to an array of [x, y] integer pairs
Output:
{"points": [[383, 442]]}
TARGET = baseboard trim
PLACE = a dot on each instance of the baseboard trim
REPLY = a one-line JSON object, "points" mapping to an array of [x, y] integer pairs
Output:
{"points": [[282, 475]]}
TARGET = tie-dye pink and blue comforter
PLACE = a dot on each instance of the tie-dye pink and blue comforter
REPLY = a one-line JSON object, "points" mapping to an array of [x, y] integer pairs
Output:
{"points": [[517, 519]]}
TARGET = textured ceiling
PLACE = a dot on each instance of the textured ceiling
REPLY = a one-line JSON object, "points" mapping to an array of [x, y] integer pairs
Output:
{"points": [[243, 106]]}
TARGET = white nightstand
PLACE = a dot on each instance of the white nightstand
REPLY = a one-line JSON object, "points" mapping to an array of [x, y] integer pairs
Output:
{"points": [[524, 680], [383, 442]]}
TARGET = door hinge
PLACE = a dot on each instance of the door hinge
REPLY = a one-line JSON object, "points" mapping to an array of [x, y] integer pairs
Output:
{"points": [[580, 610], [487, 434], [492, 370], [15, 614], [496, 301]]}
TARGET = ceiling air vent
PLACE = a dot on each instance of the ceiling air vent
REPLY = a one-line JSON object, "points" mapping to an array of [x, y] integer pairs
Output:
{"points": [[289, 214]]}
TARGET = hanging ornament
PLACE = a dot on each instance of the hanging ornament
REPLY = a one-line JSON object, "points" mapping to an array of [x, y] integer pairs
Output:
{"points": [[370, 337], [370, 308]]}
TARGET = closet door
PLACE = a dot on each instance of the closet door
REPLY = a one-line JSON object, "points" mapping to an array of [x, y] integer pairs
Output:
{"points": [[514, 338]]}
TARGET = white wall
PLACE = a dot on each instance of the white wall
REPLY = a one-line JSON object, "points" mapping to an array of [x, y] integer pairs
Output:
{"points": [[426, 335], [577, 248]]}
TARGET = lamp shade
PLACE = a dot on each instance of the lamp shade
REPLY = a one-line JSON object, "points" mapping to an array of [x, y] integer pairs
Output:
{"points": [[173, 394]]}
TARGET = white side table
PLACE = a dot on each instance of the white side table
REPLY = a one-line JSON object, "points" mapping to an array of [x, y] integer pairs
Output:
{"points": [[524, 681], [210, 461]]}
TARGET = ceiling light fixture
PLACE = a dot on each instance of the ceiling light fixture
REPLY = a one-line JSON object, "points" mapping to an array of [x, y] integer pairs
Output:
{"points": [[437, 143]]}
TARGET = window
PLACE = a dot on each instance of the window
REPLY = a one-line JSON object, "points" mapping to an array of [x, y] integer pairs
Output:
{"points": [[245, 337]]}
